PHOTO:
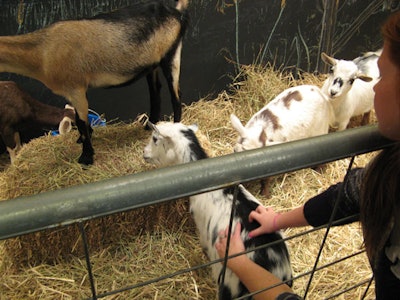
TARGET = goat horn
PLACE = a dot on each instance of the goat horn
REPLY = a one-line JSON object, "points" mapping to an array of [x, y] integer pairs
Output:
{"points": [[152, 126]]}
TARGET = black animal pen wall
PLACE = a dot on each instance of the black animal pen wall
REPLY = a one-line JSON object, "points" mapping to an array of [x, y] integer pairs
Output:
{"points": [[289, 34]]}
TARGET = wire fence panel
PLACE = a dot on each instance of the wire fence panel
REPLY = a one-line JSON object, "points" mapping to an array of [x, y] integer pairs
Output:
{"points": [[82, 203]]}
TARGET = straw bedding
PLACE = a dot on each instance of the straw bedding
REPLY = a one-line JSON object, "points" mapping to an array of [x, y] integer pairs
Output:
{"points": [[135, 246]]}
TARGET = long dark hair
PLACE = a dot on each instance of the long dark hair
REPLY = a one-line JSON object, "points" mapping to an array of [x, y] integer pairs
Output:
{"points": [[380, 200], [380, 194]]}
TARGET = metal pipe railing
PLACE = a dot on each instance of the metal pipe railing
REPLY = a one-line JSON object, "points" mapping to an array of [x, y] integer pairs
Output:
{"points": [[78, 203]]}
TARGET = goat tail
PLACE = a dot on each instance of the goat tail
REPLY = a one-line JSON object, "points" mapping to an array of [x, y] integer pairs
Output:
{"points": [[182, 5]]}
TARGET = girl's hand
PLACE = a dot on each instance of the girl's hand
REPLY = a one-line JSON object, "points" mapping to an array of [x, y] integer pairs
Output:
{"points": [[236, 245], [266, 217]]}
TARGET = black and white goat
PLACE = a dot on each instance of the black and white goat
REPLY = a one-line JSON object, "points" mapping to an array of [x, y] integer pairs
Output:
{"points": [[107, 50], [175, 143], [18, 111], [349, 87]]}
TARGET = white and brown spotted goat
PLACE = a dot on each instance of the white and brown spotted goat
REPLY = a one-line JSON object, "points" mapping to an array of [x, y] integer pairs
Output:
{"points": [[19, 111], [296, 113], [107, 50], [175, 143]]}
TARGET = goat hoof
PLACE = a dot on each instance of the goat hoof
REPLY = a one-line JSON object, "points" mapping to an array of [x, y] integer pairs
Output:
{"points": [[265, 193], [86, 160]]}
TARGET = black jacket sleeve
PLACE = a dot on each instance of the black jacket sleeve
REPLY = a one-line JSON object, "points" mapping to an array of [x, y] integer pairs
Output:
{"points": [[318, 210]]}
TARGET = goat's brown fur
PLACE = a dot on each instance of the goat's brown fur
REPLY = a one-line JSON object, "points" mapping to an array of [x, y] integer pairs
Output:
{"points": [[108, 50], [19, 111]]}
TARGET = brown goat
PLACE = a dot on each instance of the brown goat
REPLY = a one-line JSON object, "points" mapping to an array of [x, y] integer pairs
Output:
{"points": [[18, 111], [107, 50]]}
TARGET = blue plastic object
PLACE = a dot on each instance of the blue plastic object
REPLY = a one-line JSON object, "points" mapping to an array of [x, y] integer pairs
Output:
{"points": [[94, 120]]}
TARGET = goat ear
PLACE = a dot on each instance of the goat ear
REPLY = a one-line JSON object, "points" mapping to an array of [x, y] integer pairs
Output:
{"points": [[67, 106], [364, 77], [194, 127], [65, 125], [327, 59], [238, 126]]}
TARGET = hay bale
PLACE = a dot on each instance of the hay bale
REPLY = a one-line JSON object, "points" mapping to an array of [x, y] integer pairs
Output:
{"points": [[49, 163]]}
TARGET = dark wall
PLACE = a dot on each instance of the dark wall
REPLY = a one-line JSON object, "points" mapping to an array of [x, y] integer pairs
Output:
{"points": [[286, 36]]}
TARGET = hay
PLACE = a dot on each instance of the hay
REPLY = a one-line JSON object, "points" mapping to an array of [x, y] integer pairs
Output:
{"points": [[49, 163], [135, 246]]}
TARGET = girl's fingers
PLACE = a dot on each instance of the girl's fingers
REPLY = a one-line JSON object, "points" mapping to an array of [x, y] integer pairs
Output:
{"points": [[260, 208], [237, 229]]}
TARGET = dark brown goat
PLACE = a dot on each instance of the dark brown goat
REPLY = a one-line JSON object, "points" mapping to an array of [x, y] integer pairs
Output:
{"points": [[107, 50], [18, 110]]}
